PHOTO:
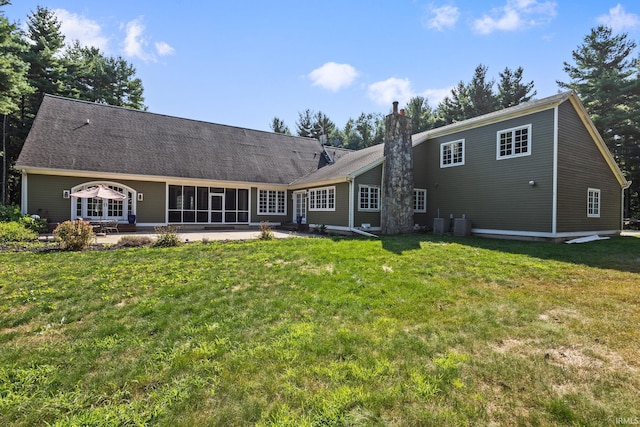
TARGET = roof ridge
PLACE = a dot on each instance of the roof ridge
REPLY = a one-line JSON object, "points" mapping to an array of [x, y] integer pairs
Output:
{"points": [[97, 104]]}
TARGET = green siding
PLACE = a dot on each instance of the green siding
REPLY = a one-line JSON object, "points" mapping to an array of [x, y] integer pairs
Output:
{"points": [[372, 177], [339, 217], [44, 197], [581, 166], [494, 194], [254, 217]]}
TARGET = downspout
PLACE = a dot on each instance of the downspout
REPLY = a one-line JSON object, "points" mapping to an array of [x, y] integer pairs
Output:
{"points": [[351, 202], [23, 197], [352, 227], [624, 188], [554, 203]]}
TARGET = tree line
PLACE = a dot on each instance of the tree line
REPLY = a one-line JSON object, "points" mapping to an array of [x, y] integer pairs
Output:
{"points": [[604, 72], [36, 62]]}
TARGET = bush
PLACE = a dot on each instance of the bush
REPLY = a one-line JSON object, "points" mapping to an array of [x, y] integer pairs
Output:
{"points": [[167, 237], [134, 241], [9, 213], [15, 232], [74, 235], [33, 223], [266, 233]]}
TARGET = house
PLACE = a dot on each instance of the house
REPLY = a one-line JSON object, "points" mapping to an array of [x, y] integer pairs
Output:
{"points": [[536, 170]]}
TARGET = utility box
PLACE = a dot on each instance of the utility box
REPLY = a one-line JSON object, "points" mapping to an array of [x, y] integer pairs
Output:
{"points": [[462, 227], [440, 225]]}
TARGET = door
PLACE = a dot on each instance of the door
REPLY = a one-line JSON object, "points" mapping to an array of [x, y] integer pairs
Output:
{"points": [[300, 206], [217, 207]]}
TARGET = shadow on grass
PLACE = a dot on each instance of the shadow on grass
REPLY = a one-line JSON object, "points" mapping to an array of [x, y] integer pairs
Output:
{"points": [[619, 253]]}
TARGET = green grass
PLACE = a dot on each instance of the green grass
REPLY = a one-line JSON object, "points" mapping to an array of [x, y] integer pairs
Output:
{"points": [[409, 330]]}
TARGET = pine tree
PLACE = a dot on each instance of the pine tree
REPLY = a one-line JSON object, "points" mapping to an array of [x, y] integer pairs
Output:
{"points": [[605, 76], [511, 90]]}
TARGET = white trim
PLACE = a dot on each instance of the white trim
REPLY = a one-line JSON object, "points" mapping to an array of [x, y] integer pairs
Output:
{"points": [[312, 200], [541, 234], [597, 205], [424, 190], [23, 195], [125, 211], [277, 191], [451, 145], [517, 111], [351, 203], [512, 131], [554, 190], [369, 187]]}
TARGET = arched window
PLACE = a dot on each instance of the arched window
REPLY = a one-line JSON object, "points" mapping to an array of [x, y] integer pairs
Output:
{"points": [[104, 208]]}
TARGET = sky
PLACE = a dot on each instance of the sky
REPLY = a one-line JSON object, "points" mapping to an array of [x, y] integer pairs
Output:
{"points": [[244, 62]]}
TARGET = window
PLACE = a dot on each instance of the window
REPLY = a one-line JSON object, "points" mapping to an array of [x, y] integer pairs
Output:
{"points": [[514, 142], [452, 154], [369, 198], [271, 202], [322, 199], [593, 203], [419, 200]]}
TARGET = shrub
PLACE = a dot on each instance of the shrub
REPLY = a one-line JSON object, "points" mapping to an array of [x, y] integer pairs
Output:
{"points": [[265, 231], [9, 213], [167, 237], [74, 235], [33, 223], [15, 232], [134, 241]]}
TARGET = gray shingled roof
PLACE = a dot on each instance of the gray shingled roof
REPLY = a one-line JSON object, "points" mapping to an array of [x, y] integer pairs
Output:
{"points": [[347, 165], [125, 141]]}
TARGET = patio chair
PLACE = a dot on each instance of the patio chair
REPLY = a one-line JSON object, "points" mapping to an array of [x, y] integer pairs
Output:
{"points": [[111, 226]]}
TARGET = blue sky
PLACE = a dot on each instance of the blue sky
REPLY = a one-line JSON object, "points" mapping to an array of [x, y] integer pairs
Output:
{"points": [[241, 63]]}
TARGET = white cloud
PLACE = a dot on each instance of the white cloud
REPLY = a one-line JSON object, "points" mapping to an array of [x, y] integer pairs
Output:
{"points": [[134, 42], [442, 17], [164, 49], [619, 20], [516, 15], [84, 30], [333, 76], [392, 89], [435, 96]]}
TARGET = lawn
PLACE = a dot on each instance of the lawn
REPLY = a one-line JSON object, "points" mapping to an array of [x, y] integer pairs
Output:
{"points": [[398, 331]]}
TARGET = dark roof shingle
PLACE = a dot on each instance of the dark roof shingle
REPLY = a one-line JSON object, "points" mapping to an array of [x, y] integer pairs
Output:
{"points": [[83, 136]]}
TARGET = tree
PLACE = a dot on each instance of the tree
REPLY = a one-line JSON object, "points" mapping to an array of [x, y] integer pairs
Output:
{"points": [[605, 76], [421, 114], [313, 125], [278, 126], [91, 76], [480, 91], [304, 124], [455, 108], [477, 97], [13, 85], [511, 90], [45, 43], [363, 132], [13, 70]]}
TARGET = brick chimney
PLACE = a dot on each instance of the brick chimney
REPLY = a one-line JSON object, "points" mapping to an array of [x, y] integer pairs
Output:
{"points": [[396, 214]]}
